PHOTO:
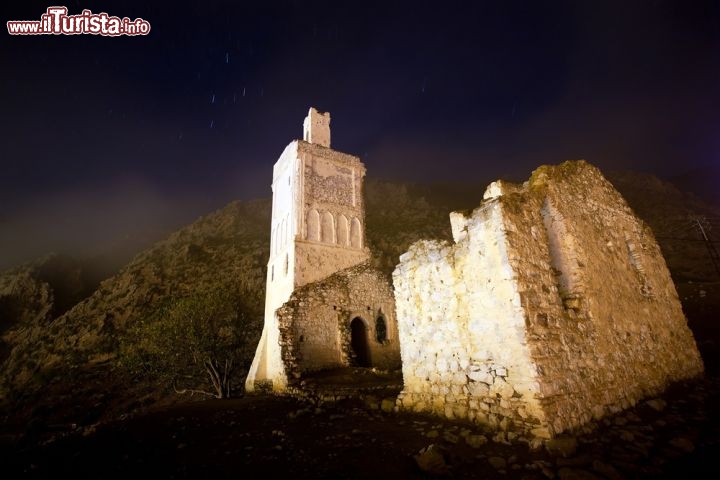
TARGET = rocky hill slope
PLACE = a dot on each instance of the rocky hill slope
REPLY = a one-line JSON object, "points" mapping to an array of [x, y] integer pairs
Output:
{"points": [[76, 350], [36, 293], [672, 214]]}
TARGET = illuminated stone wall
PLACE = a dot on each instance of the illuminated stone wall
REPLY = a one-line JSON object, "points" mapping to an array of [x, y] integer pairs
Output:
{"points": [[331, 228], [552, 307], [316, 128], [317, 230], [315, 323]]}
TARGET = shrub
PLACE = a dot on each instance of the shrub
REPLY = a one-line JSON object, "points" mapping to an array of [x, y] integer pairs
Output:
{"points": [[197, 344]]}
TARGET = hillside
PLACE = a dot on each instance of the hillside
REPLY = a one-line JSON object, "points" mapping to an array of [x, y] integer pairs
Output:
{"points": [[36, 293], [76, 351], [61, 363], [671, 214]]}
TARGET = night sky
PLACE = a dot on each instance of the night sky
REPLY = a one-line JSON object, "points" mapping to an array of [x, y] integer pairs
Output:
{"points": [[108, 137]]}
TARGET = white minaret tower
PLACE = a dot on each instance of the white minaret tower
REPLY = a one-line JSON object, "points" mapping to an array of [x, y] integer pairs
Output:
{"points": [[317, 229]]}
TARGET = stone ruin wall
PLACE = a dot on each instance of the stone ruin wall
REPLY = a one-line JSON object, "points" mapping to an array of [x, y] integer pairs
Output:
{"points": [[312, 260], [315, 322], [612, 331], [458, 360], [553, 307]]}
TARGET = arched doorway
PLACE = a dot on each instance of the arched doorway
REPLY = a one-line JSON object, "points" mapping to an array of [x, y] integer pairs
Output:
{"points": [[359, 342]]}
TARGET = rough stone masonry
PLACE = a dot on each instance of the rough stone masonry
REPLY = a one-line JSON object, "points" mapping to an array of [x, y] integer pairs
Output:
{"points": [[552, 307], [320, 312]]}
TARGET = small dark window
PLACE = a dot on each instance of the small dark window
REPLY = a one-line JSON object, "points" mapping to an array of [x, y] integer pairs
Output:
{"points": [[272, 273], [287, 264], [380, 330]]}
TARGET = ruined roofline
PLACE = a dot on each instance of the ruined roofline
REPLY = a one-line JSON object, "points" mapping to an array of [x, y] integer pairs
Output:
{"points": [[538, 181], [566, 169], [538, 177], [504, 188], [501, 191], [569, 170], [550, 175]]}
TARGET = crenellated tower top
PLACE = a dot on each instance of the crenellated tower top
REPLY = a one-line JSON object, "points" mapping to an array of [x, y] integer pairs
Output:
{"points": [[316, 128]]}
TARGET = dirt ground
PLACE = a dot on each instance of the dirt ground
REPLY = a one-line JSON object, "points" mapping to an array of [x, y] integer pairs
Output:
{"points": [[676, 435]]}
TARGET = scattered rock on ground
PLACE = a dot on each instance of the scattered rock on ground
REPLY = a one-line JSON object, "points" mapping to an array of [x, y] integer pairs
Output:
{"points": [[431, 460]]}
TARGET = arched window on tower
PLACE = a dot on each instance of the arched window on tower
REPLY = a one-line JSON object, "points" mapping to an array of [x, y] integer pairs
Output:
{"points": [[342, 231], [327, 228], [355, 234], [313, 226]]}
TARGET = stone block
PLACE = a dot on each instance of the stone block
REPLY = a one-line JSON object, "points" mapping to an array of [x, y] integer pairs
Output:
{"points": [[387, 405], [480, 376]]}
